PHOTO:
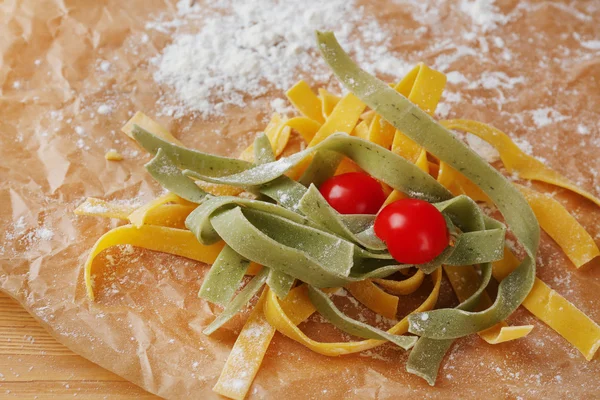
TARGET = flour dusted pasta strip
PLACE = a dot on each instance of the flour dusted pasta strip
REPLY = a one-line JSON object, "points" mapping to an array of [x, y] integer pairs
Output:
{"points": [[555, 311], [179, 242], [514, 159], [556, 221]]}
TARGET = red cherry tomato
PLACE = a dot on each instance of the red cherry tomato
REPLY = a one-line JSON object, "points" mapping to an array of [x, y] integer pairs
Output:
{"points": [[353, 193], [414, 230]]}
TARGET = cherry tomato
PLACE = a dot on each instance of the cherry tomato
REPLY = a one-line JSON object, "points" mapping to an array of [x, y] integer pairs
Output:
{"points": [[353, 193], [414, 230]]}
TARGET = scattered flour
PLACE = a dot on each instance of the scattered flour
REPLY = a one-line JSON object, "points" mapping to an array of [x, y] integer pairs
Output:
{"points": [[546, 116], [583, 130], [591, 44], [105, 66], [483, 148], [104, 109], [93, 208], [26, 235], [281, 106], [456, 77], [496, 80], [44, 233], [245, 50], [443, 109], [484, 13]]}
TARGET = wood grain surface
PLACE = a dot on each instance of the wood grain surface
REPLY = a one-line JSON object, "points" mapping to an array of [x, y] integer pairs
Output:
{"points": [[33, 365]]}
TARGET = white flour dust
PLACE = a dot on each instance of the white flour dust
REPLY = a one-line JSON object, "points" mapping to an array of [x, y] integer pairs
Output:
{"points": [[246, 48]]}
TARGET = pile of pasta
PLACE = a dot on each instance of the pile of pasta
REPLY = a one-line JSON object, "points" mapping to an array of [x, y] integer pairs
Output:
{"points": [[242, 215]]}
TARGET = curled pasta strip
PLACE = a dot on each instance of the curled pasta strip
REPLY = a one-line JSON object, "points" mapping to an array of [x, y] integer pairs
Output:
{"points": [[280, 314], [180, 242], [514, 159]]}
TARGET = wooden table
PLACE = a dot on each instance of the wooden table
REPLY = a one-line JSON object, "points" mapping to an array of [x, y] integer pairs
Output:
{"points": [[33, 365]]}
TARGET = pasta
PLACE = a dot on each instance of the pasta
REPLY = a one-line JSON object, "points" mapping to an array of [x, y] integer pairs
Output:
{"points": [[287, 233]]}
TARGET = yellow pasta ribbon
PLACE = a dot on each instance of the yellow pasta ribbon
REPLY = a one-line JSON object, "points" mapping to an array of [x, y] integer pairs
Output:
{"points": [[381, 132], [147, 123], [305, 101], [362, 130], [374, 298], [306, 127], [501, 332], [170, 215], [139, 216], [218, 189], [276, 313], [101, 208], [447, 176], [113, 155], [343, 118], [368, 116], [514, 159], [465, 281], [253, 268], [329, 101], [420, 162], [404, 287], [424, 87], [277, 132], [554, 310], [180, 242], [346, 166], [556, 221], [253, 341], [458, 184], [247, 354]]}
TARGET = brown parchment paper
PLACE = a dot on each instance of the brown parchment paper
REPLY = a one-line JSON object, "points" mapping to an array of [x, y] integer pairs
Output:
{"points": [[146, 325]]}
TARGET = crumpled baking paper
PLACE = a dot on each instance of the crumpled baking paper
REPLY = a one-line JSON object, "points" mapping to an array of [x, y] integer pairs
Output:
{"points": [[61, 60]]}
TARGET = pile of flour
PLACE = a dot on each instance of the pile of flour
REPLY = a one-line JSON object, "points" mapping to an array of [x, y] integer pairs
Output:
{"points": [[244, 49]]}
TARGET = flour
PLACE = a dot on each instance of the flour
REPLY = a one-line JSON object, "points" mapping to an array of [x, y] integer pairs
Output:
{"points": [[281, 107], [44, 233], [104, 109], [583, 130], [105, 66], [483, 148], [496, 80], [22, 233], [456, 77], [591, 44], [545, 116], [246, 49], [484, 13]]}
